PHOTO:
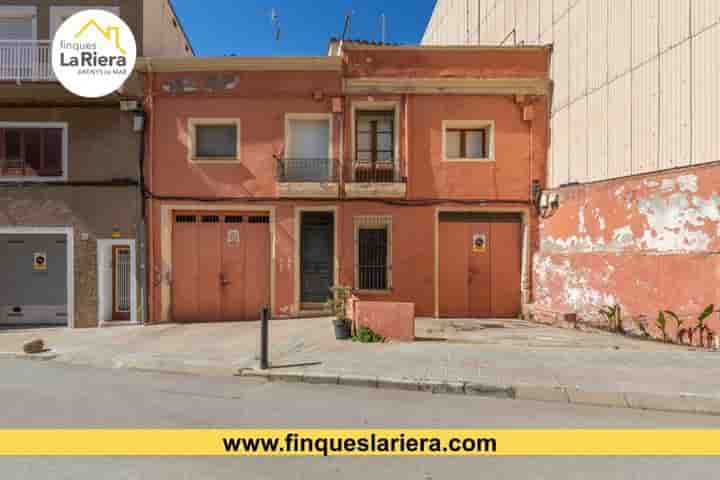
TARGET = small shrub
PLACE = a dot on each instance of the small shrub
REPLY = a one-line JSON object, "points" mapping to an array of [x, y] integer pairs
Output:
{"points": [[661, 323], [703, 329], [613, 315], [366, 335]]}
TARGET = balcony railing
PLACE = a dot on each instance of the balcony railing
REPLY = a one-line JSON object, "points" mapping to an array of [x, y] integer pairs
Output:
{"points": [[306, 170], [377, 172], [25, 61]]}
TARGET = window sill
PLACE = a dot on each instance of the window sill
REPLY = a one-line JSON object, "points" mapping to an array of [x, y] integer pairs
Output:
{"points": [[374, 292], [204, 160]]}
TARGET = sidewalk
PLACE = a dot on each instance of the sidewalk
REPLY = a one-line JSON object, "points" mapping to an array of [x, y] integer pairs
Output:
{"points": [[512, 359]]}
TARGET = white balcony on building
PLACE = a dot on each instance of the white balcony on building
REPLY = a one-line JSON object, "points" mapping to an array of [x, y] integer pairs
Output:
{"points": [[25, 61]]}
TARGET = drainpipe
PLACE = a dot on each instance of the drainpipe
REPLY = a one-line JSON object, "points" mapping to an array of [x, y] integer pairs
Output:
{"points": [[147, 251], [406, 122]]}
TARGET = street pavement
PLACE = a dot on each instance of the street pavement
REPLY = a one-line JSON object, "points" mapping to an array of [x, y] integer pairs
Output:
{"points": [[52, 395], [532, 361]]}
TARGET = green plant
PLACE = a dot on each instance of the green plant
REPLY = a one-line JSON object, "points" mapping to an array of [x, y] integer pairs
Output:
{"points": [[701, 327], [662, 322], [367, 335], [338, 302], [613, 316], [683, 331]]}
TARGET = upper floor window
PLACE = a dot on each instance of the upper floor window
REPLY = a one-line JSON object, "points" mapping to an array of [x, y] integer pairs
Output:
{"points": [[376, 143], [33, 150], [214, 140], [308, 147], [467, 140], [375, 136], [17, 23]]}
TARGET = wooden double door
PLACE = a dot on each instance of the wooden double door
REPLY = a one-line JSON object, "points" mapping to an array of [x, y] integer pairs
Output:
{"points": [[221, 266], [480, 264]]}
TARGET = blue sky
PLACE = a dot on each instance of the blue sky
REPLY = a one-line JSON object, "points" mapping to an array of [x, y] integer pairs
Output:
{"points": [[243, 27]]}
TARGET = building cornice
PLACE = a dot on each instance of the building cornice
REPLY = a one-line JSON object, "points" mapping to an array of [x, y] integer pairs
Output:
{"points": [[211, 64], [349, 45], [447, 85]]}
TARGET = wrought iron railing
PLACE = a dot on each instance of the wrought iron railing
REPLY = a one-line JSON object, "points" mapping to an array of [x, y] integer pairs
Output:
{"points": [[376, 172], [306, 170], [26, 60]]}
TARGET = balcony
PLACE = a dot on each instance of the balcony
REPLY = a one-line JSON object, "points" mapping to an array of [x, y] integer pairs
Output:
{"points": [[307, 177], [376, 180], [25, 61]]}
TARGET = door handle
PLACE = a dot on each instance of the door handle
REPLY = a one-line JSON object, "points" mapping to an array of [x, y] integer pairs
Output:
{"points": [[223, 280]]}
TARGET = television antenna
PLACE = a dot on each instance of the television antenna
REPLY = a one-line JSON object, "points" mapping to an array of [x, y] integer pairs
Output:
{"points": [[347, 29], [275, 21], [383, 25]]}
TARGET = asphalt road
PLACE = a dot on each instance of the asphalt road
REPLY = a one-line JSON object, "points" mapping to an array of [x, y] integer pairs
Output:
{"points": [[50, 395]]}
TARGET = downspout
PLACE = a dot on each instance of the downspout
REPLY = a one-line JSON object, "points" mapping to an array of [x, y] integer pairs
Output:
{"points": [[341, 190], [143, 230], [148, 251], [406, 141], [527, 274]]}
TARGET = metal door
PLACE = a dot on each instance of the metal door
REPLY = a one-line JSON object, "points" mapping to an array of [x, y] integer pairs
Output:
{"points": [[33, 279], [121, 282], [480, 264], [221, 266], [316, 252]]}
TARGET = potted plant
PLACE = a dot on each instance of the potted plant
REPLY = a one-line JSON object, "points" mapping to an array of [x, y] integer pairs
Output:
{"points": [[338, 305]]}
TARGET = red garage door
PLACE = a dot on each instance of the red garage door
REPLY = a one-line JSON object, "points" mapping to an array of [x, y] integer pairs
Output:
{"points": [[221, 266], [480, 264]]}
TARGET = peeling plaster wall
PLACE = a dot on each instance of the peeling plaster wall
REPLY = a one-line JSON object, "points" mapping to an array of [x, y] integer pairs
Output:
{"points": [[646, 243]]}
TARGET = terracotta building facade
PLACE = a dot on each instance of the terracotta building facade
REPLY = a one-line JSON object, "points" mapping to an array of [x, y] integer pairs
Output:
{"points": [[407, 173]]}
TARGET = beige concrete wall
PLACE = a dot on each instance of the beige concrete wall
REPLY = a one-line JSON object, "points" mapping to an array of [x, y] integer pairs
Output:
{"points": [[130, 11], [101, 143], [93, 213], [157, 31], [101, 147], [635, 80], [164, 36]]}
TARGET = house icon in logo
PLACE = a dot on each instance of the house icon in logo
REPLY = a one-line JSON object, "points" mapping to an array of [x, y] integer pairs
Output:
{"points": [[108, 33]]}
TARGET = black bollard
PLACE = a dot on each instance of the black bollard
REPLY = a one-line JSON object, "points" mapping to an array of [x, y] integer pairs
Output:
{"points": [[264, 324]]}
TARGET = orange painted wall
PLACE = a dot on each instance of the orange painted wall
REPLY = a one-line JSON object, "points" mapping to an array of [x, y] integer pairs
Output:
{"points": [[647, 243], [261, 99]]}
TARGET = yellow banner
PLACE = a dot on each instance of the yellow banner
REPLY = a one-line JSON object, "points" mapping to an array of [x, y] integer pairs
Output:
{"points": [[302, 442]]}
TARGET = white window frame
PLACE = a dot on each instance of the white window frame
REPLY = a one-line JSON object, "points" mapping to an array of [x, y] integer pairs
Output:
{"points": [[65, 141], [379, 106], [104, 254], [470, 124], [193, 123], [310, 116], [377, 222], [17, 11], [57, 12]]}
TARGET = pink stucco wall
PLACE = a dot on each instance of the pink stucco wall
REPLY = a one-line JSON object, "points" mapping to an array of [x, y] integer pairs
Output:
{"points": [[392, 320]]}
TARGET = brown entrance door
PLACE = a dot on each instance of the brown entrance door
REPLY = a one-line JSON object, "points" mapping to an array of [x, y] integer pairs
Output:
{"points": [[480, 264], [221, 266], [121, 281]]}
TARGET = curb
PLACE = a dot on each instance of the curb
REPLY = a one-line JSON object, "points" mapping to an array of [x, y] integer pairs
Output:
{"points": [[685, 403], [29, 356]]}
